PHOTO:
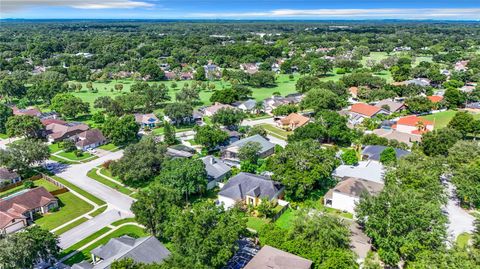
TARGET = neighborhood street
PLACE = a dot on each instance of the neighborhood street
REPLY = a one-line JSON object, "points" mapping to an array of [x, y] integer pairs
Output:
{"points": [[118, 203], [459, 219]]}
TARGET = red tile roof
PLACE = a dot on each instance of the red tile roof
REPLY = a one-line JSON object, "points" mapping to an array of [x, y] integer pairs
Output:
{"points": [[365, 109], [46, 122], [435, 98], [413, 121]]}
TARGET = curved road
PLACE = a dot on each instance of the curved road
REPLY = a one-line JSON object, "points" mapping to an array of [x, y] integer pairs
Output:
{"points": [[118, 203]]}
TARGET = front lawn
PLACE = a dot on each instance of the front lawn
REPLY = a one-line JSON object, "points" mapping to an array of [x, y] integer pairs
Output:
{"points": [[55, 147], [109, 147], [286, 219], [274, 131], [73, 157], [106, 172], [82, 192], [93, 175], [71, 207]]}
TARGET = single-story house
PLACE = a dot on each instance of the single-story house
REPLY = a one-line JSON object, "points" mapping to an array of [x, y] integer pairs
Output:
{"points": [[212, 110], [46, 122], [353, 92], [8, 177], [435, 98], [423, 82], [17, 210], [272, 258], [293, 121], [249, 189], [246, 106], [250, 68], [147, 120], [373, 152], [346, 194], [369, 170], [392, 134], [358, 112], [146, 250], [231, 152], [58, 132], [392, 105], [216, 169], [413, 125], [461, 65], [30, 111], [233, 136], [180, 151], [90, 139]]}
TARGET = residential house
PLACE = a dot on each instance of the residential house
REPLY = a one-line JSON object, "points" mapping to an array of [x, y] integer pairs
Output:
{"points": [[373, 152], [8, 177], [230, 153], [273, 258], [250, 68], [423, 82], [249, 189], [391, 106], [180, 151], [212, 71], [461, 66], [402, 48], [145, 250], [353, 92], [358, 112], [57, 131], [273, 102], [413, 125], [186, 75], [216, 169], [346, 194], [46, 122], [147, 120], [233, 136], [169, 75], [212, 110], [30, 111], [247, 106], [89, 139], [18, 209], [369, 170], [392, 134], [293, 121], [435, 98]]}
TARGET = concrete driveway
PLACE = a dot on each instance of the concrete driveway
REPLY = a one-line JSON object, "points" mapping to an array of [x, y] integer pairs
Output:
{"points": [[118, 203], [459, 219]]}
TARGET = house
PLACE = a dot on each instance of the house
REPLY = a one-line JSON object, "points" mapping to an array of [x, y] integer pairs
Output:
{"points": [[369, 170], [212, 71], [89, 139], [58, 131], [233, 136], [353, 92], [186, 75], [435, 98], [422, 82], [18, 209], [413, 125], [178, 153], [216, 169], [273, 102], [231, 152], [249, 189], [147, 120], [246, 106], [358, 112], [30, 111], [212, 110], [146, 250], [373, 152], [392, 134], [250, 68], [272, 258], [8, 177], [169, 75], [46, 122], [346, 194], [391, 106], [293, 121], [461, 66]]}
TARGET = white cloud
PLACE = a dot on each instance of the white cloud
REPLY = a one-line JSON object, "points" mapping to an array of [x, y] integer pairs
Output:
{"points": [[14, 5]]}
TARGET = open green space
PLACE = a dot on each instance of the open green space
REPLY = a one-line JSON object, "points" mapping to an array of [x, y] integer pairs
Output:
{"points": [[441, 119], [71, 207], [255, 223], [55, 147], [93, 175], [80, 191], [70, 226], [274, 131], [109, 147], [286, 219], [73, 157], [61, 160], [37, 183]]}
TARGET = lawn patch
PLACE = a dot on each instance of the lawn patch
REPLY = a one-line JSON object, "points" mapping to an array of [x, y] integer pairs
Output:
{"points": [[256, 224], [463, 239], [79, 190], [93, 175], [122, 221], [286, 219], [110, 147], [98, 211], [73, 157], [274, 131], [70, 226], [49, 186]]}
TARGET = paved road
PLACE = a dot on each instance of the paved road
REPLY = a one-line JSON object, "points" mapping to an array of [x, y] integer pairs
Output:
{"points": [[118, 203], [459, 220]]}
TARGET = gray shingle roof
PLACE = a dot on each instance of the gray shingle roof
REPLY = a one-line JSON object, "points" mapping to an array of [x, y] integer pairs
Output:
{"points": [[215, 167], [264, 143], [373, 152], [249, 184], [6, 174]]}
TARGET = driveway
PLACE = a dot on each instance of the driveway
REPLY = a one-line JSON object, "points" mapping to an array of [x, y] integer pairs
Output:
{"points": [[5, 142], [459, 219], [118, 203]]}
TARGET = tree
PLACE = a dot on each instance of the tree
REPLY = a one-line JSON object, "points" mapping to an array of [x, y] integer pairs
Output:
{"points": [[284, 110], [24, 125], [462, 152], [265, 208], [303, 167], [151, 70], [454, 98], [178, 112], [228, 117], [25, 249], [249, 152], [205, 236], [5, 114], [419, 104], [388, 156], [320, 99], [140, 163], [321, 66], [169, 134], [199, 73], [151, 94], [257, 130], [189, 95], [209, 136], [438, 142], [68, 105], [155, 207], [462, 122], [121, 131], [23, 154], [350, 157], [111, 106], [12, 88], [188, 176], [467, 182], [46, 85], [118, 87]]}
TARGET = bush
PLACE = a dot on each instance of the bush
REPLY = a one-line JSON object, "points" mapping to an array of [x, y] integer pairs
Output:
{"points": [[78, 153], [341, 71], [350, 157], [28, 184]]}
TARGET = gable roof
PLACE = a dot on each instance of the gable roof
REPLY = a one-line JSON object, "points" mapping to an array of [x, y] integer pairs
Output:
{"points": [[264, 143], [46, 122], [142, 250], [272, 258], [58, 131], [217, 106], [215, 167], [393, 106], [353, 186], [369, 170], [435, 98], [31, 111], [89, 137], [365, 109], [295, 119], [373, 152], [146, 118], [413, 121], [244, 184], [6, 174]]}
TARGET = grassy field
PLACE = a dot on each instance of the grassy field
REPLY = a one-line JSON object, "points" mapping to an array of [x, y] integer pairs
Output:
{"points": [[54, 147], [286, 219], [441, 119], [110, 147], [71, 206], [93, 175], [463, 239], [37, 183], [73, 157], [256, 223], [274, 131]]}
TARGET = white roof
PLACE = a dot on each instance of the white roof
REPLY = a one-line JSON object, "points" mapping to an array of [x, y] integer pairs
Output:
{"points": [[369, 170]]}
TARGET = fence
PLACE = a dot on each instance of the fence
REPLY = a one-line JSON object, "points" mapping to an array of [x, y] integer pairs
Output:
{"points": [[21, 182], [53, 181], [285, 206]]}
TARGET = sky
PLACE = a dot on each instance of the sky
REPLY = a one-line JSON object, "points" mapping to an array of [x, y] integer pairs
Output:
{"points": [[242, 9]]}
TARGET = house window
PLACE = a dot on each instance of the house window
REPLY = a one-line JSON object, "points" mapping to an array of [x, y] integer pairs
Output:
{"points": [[251, 201]]}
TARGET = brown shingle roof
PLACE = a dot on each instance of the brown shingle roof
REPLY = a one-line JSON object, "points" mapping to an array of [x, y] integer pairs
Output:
{"points": [[295, 119], [272, 258], [356, 186], [6, 174], [90, 137], [58, 131]]}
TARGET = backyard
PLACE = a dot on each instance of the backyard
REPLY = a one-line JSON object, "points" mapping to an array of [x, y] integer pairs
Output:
{"points": [[274, 131], [441, 119]]}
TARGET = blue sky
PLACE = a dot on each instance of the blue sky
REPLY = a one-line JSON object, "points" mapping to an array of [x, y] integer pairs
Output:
{"points": [[246, 9]]}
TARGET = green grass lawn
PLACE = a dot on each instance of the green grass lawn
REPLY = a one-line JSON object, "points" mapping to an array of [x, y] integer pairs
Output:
{"points": [[54, 147], [274, 131], [122, 221], [71, 156], [61, 160], [3, 136], [98, 211], [70, 226], [441, 119], [286, 219], [85, 194], [80, 256], [256, 223], [108, 173], [11, 191], [46, 184], [463, 239], [93, 175], [71, 207], [109, 147]]}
